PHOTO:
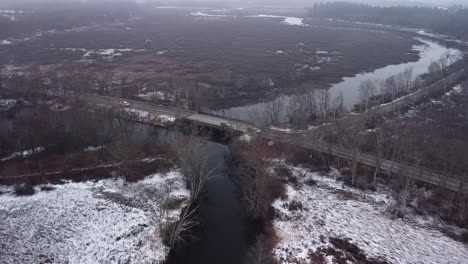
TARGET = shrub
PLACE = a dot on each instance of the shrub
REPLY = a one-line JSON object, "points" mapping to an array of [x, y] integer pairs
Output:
{"points": [[25, 188]]}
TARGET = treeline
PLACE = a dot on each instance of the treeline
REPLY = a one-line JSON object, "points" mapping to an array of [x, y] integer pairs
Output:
{"points": [[444, 21]]}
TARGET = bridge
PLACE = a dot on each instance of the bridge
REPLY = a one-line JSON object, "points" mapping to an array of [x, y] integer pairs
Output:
{"points": [[309, 140], [182, 114]]}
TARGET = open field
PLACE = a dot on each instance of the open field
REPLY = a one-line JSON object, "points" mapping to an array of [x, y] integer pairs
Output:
{"points": [[228, 60], [324, 221]]}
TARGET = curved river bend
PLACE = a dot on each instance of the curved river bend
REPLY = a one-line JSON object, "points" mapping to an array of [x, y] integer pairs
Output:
{"points": [[429, 51]]}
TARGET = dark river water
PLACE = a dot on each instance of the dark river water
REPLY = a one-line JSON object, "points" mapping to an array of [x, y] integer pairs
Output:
{"points": [[222, 235]]}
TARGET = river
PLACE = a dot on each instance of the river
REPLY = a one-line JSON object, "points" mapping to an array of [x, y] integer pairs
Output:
{"points": [[224, 233], [429, 51], [222, 236]]}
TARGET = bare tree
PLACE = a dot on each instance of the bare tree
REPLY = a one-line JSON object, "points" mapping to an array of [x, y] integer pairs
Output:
{"points": [[408, 77], [292, 109], [1, 76], [378, 144], [223, 77], [274, 110], [412, 149], [311, 105], [172, 231], [435, 69], [259, 252], [324, 101], [445, 60], [367, 90], [350, 137], [105, 82], [190, 155], [390, 88], [338, 106]]}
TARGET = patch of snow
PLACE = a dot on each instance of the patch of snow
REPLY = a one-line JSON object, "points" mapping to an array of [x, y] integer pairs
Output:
{"points": [[246, 137], [166, 119], [294, 21], [6, 11], [74, 49], [162, 52], [209, 15], [93, 148], [432, 35], [457, 89], [144, 116], [325, 213], [279, 52], [7, 104], [6, 42], [281, 129], [57, 107], [23, 154], [267, 16], [108, 53], [324, 60], [10, 17], [270, 83], [321, 52], [109, 221], [152, 95], [371, 24]]}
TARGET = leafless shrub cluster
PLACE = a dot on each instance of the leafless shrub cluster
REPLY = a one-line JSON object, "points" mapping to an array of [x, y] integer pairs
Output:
{"points": [[301, 110], [189, 152], [259, 252], [173, 229], [259, 183]]}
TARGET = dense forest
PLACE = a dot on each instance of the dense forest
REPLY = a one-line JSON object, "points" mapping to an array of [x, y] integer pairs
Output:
{"points": [[452, 21]]}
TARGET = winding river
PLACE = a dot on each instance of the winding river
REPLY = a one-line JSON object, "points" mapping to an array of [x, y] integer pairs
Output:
{"points": [[429, 51]]}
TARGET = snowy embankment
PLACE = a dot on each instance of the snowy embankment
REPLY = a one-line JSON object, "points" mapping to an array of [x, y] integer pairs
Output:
{"points": [[147, 117], [320, 209], [109, 221]]}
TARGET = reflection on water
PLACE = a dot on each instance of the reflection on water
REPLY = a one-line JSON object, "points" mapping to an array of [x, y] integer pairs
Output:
{"points": [[349, 87]]}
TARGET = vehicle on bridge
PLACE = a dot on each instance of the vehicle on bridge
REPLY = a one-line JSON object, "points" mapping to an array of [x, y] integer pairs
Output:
{"points": [[125, 103], [224, 124], [254, 130]]}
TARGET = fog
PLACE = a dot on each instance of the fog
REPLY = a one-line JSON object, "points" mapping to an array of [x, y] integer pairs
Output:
{"points": [[288, 3]]}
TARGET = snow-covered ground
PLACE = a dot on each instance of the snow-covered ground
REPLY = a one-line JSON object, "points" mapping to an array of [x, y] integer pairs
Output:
{"points": [[332, 210], [5, 42], [152, 95], [5, 11], [7, 104], [108, 53], [108, 221], [209, 15], [293, 21], [144, 116], [25, 153]]}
